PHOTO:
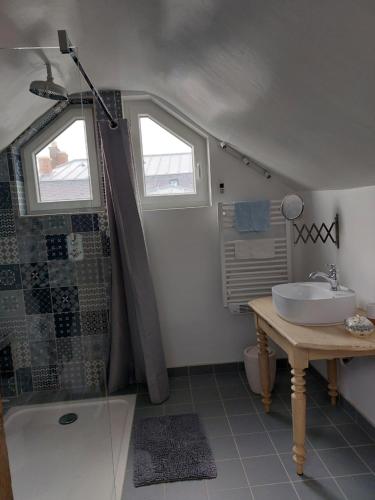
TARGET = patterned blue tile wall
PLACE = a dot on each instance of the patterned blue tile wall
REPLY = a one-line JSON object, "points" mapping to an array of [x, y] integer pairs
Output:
{"points": [[53, 308]]}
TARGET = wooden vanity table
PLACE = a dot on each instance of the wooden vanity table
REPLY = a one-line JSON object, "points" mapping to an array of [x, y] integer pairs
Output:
{"points": [[303, 344]]}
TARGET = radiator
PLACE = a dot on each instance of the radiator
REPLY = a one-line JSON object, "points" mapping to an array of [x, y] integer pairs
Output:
{"points": [[243, 280]]}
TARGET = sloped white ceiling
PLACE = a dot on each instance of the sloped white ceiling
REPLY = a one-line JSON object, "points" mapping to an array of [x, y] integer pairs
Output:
{"points": [[290, 83]]}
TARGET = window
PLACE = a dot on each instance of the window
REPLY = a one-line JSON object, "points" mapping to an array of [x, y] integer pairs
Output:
{"points": [[171, 158], [167, 160], [61, 172]]}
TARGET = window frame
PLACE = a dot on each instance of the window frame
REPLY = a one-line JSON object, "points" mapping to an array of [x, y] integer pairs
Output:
{"points": [[136, 107], [42, 139]]}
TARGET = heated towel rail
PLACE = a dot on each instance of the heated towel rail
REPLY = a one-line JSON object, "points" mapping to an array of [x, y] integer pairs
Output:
{"points": [[245, 279]]}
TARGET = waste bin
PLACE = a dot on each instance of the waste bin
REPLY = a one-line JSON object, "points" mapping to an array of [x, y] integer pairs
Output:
{"points": [[252, 368]]}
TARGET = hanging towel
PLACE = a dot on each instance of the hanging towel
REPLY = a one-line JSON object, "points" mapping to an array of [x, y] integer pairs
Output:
{"points": [[252, 215], [254, 249]]}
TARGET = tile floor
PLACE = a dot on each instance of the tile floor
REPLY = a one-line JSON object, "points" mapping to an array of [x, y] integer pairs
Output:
{"points": [[252, 450]]}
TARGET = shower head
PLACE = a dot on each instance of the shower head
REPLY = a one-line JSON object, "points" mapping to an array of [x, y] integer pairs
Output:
{"points": [[47, 88]]}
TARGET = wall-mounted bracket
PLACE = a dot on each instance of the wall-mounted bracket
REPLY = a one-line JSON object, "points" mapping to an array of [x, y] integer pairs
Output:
{"points": [[66, 47], [249, 162], [315, 233]]}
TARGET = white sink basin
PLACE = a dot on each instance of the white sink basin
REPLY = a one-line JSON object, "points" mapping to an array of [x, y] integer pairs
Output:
{"points": [[313, 303]]}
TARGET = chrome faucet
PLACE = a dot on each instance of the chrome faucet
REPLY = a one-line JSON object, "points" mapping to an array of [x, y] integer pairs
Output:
{"points": [[331, 277]]}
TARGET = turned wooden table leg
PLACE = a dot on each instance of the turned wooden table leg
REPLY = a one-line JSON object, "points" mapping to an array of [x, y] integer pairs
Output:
{"points": [[5, 479], [264, 369], [332, 380], [299, 414]]}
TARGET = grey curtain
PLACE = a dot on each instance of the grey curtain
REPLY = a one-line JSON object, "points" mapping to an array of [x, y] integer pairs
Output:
{"points": [[136, 350]]}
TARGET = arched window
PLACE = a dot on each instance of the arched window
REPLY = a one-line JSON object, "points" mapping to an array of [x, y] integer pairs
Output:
{"points": [[60, 165]]}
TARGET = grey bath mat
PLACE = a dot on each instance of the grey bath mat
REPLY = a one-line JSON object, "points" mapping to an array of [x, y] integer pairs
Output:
{"points": [[171, 448]]}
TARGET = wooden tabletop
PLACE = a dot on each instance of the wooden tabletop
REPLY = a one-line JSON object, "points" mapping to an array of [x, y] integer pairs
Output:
{"points": [[323, 338]]}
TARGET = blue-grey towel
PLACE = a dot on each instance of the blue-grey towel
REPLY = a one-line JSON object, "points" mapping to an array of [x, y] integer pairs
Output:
{"points": [[252, 216]]}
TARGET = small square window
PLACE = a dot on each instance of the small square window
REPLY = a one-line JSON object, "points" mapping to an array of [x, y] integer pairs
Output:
{"points": [[171, 158], [61, 172]]}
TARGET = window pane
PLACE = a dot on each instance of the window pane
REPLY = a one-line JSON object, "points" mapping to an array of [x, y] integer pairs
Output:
{"points": [[63, 166], [167, 161]]}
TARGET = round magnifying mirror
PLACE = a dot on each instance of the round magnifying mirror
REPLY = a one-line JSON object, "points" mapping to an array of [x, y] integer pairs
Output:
{"points": [[292, 206]]}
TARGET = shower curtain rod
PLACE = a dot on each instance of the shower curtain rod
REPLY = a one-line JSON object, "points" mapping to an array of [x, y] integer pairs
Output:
{"points": [[249, 162], [67, 48]]}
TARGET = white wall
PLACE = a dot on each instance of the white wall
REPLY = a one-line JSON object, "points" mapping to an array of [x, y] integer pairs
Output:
{"points": [[185, 262], [356, 262]]}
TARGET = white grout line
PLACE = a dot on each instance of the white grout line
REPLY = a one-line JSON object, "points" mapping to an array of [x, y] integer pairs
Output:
{"points": [[316, 451], [358, 474], [285, 408], [329, 472], [351, 447], [195, 410], [359, 425], [234, 439], [275, 448], [341, 447]]}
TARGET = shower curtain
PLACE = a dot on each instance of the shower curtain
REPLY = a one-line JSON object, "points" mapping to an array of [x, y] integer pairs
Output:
{"points": [[136, 350]]}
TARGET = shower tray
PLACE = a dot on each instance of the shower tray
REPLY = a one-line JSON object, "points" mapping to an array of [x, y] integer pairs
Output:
{"points": [[85, 458]]}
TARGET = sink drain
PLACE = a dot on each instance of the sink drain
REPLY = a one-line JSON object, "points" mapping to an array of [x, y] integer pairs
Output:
{"points": [[68, 418]]}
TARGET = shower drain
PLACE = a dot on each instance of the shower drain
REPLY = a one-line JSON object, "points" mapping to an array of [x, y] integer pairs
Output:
{"points": [[68, 418]]}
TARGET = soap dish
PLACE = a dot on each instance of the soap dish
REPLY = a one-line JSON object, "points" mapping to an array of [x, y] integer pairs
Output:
{"points": [[359, 326]]}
